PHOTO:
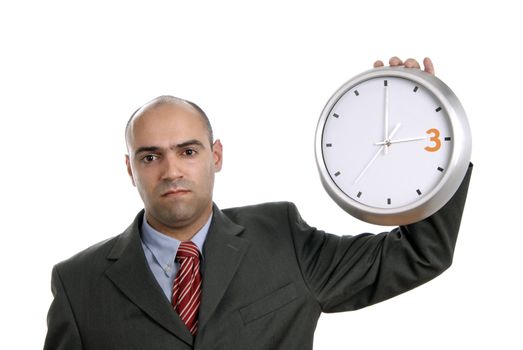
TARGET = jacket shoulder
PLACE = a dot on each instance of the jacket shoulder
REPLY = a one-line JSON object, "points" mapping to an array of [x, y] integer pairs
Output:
{"points": [[259, 211], [97, 257], [88, 259], [271, 216]]}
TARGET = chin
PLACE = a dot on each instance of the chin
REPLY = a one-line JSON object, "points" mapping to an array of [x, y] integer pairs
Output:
{"points": [[175, 215]]}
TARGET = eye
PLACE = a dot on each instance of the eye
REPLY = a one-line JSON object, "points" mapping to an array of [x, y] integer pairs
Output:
{"points": [[189, 152], [149, 158]]}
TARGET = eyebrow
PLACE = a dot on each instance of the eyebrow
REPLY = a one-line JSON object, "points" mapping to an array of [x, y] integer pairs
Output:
{"points": [[193, 142], [146, 149]]}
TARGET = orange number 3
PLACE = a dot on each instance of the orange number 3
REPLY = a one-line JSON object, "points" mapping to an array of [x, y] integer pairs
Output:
{"points": [[435, 139]]}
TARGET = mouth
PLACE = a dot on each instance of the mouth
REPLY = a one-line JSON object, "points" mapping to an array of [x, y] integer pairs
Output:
{"points": [[175, 192]]}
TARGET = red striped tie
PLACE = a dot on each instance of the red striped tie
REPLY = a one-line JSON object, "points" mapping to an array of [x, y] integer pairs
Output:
{"points": [[186, 286]]}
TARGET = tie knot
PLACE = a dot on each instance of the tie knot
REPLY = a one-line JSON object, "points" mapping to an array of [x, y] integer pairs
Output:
{"points": [[187, 250]]}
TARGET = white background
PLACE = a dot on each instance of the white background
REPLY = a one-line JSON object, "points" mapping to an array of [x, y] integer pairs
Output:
{"points": [[72, 72]]}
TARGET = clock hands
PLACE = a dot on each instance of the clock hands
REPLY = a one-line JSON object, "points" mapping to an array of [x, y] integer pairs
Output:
{"points": [[387, 140], [393, 132]]}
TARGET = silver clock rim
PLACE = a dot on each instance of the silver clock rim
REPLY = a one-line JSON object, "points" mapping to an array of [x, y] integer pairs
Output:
{"points": [[454, 174]]}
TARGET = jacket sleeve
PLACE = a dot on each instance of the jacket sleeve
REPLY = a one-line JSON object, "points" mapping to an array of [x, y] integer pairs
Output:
{"points": [[62, 331], [350, 272]]}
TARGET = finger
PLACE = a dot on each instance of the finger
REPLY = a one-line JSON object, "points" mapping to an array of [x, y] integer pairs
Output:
{"points": [[412, 63], [378, 64], [395, 61], [429, 66]]}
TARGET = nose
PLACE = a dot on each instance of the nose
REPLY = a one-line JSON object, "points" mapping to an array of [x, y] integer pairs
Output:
{"points": [[171, 168]]}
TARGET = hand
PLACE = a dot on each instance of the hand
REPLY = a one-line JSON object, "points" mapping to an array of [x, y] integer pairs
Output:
{"points": [[409, 63]]}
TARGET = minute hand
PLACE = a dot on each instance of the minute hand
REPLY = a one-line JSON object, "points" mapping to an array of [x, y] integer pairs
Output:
{"points": [[401, 140]]}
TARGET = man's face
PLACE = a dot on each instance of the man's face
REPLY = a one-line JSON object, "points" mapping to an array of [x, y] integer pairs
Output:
{"points": [[172, 164]]}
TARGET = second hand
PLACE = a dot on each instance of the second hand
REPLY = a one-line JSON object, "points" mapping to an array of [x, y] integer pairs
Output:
{"points": [[396, 128]]}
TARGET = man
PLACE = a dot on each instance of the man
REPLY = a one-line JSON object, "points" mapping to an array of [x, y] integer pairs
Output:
{"points": [[187, 275]]}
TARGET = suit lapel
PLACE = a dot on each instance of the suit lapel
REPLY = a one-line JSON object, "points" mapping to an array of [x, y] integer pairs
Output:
{"points": [[132, 276], [222, 252]]}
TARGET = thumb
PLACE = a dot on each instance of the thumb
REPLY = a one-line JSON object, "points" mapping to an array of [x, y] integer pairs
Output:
{"points": [[429, 66]]}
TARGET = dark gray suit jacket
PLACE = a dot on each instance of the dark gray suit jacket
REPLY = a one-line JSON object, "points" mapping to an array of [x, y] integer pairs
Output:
{"points": [[267, 276]]}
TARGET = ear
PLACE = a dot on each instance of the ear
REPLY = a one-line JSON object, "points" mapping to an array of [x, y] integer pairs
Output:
{"points": [[217, 153], [129, 169]]}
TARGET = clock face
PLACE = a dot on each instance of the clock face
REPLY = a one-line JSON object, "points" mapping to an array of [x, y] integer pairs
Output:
{"points": [[392, 145], [387, 142]]}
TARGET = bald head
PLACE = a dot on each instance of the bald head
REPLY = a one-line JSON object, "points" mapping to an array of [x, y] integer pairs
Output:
{"points": [[171, 101]]}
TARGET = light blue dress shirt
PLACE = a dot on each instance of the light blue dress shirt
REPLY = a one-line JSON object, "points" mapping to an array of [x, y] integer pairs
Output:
{"points": [[160, 252]]}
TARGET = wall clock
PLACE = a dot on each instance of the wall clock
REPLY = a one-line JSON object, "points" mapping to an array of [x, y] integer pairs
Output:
{"points": [[392, 145]]}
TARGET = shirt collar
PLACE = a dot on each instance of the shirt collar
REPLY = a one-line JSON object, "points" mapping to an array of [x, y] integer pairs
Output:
{"points": [[164, 247]]}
